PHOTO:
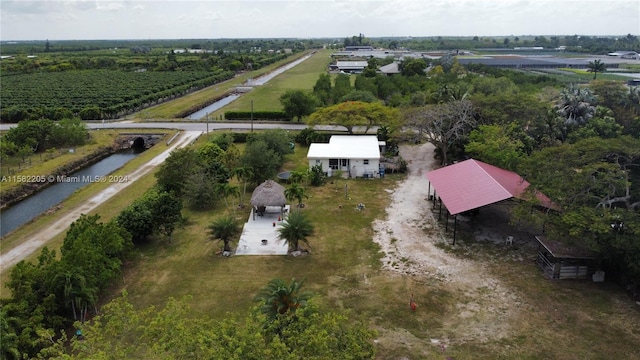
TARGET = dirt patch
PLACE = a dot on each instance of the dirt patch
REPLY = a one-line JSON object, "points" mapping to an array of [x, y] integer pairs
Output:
{"points": [[411, 240]]}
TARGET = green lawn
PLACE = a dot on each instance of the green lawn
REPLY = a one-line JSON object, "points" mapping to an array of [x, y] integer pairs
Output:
{"points": [[555, 320], [267, 96], [169, 109]]}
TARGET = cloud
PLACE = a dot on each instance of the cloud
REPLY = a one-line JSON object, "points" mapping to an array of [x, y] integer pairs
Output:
{"points": [[109, 5]]}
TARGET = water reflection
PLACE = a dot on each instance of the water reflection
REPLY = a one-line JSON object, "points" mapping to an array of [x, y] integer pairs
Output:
{"points": [[31, 207]]}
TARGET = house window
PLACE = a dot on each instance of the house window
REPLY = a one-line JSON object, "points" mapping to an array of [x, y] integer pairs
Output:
{"points": [[366, 161], [333, 163], [344, 162], [318, 162]]}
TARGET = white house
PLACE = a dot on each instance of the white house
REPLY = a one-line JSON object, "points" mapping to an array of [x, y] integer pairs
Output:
{"points": [[353, 155]]}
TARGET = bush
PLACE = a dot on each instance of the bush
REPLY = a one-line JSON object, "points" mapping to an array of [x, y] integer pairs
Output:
{"points": [[317, 176]]}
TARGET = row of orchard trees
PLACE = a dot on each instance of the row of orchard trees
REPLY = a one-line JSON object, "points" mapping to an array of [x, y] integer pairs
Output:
{"points": [[95, 94], [517, 121]]}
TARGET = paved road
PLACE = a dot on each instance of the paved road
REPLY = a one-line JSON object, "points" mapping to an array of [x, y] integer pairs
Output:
{"points": [[40, 237], [203, 126]]}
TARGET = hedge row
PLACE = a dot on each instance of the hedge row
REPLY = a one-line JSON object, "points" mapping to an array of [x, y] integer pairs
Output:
{"points": [[256, 115]]}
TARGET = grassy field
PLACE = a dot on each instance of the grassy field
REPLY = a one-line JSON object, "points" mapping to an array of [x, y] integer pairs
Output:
{"points": [[169, 109], [267, 96], [555, 320], [567, 75]]}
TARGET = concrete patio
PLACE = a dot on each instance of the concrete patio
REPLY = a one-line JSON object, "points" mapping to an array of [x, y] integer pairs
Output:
{"points": [[260, 237]]}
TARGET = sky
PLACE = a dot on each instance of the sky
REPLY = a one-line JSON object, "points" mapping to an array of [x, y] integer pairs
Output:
{"points": [[175, 19]]}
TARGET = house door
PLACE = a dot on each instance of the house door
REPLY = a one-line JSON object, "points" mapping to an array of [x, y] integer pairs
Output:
{"points": [[344, 164]]}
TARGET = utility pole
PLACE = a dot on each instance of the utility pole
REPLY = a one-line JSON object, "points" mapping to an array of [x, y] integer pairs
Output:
{"points": [[251, 115]]}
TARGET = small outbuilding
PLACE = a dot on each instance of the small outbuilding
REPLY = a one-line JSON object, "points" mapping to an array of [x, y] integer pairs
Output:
{"points": [[354, 155], [560, 261]]}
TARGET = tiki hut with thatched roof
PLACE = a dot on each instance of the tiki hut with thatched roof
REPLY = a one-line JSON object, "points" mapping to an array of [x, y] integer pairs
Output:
{"points": [[269, 193]]}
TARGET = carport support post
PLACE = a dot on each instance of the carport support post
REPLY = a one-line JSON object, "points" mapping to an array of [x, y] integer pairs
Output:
{"points": [[446, 219], [439, 210], [455, 226], [434, 198]]}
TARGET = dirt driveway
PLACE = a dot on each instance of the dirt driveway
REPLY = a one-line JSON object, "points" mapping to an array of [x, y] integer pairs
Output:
{"points": [[40, 237], [408, 237]]}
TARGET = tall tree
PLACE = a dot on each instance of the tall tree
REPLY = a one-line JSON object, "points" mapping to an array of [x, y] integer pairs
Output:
{"points": [[413, 67], [443, 125], [355, 113], [595, 181], [263, 161], [322, 90], [174, 173], [226, 191], [298, 103], [496, 145], [244, 175], [341, 87], [577, 105]]}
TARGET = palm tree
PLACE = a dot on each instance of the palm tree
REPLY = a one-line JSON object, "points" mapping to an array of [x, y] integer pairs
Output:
{"points": [[294, 229], [279, 298], [77, 295], [298, 177], [595, 67], [226, 191], [244, 174], [224, 228], [296, 192], [576, 105]]}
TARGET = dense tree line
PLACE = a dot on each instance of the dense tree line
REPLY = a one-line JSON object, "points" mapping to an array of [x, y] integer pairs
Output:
{"points": [[286, 324], [85, 46], [46, 297], [38, 136], [201, 177], [573, 43], [519, 121]]}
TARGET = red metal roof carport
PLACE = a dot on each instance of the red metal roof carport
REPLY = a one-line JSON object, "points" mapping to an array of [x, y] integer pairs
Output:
{"points": [[471, 184]]}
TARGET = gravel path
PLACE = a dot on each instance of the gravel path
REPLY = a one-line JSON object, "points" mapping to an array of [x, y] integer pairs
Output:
{"points": [[408, 237]]}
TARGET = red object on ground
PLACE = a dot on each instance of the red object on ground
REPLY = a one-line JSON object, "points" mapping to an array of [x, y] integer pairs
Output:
{"points": [[412, 304]]}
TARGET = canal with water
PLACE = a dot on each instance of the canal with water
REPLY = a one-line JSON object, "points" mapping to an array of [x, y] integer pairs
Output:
{"points": [[249, 83], [40, 202]]}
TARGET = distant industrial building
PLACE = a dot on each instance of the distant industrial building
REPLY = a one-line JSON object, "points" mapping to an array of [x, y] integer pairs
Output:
{"points": [[530, 62], [625, 55]]}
